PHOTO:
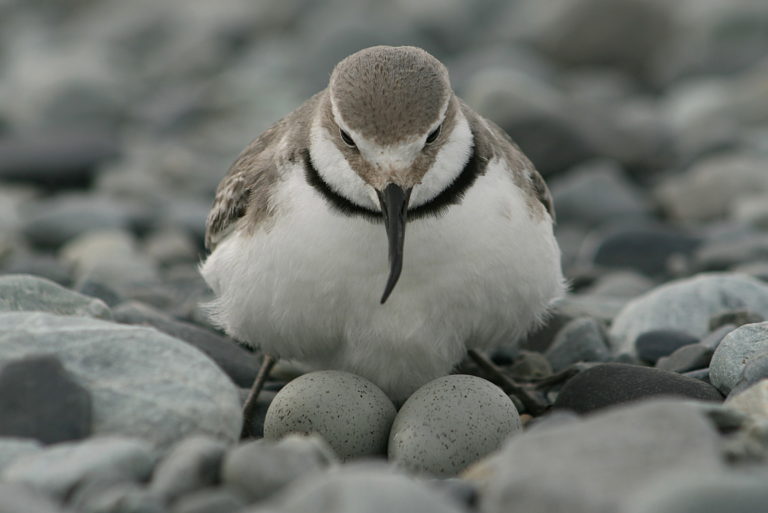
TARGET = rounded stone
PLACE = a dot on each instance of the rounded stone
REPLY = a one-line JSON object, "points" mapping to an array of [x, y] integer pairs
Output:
{"points": [[352, 414], [735, 352], [450, 423]]}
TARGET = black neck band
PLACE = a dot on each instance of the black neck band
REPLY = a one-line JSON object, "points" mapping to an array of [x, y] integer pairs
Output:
{"points": [[451, 195]]}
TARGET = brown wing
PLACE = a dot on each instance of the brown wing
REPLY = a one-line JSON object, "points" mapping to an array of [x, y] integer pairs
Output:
{"points": [[500, 145]]}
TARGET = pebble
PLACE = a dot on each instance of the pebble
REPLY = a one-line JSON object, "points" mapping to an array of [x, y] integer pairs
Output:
{"points": [[610, 384], [258, 469], [687, 305], [653, 345], [19, 499], [352, 414], [753, 401], [23, 292], [143, 383], [364, 488], [593, 464], [450, 423], [622, 284], [124, 497], [193, 463], [57, 469], [239, 364], [597, 193], [734, 352], [582, 340], [686, 358], [39, 399]]}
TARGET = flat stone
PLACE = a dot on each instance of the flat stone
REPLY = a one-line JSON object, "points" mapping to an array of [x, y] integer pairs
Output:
{"points": [[192, 464], [653, 345], [734, 352], [687, 358], [592, 465], [240, 365], [143, 383], [258, 469], [217, 500], [19, 499], [582, 340], [364, 488], [644, 249], [56, 160], [12, 448], [687, 305], [57, 469], [610, 384], [23, 292], [39, 399], [753, 401]]}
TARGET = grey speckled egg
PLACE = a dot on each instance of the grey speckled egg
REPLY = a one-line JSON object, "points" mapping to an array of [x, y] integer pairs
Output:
{"points": [[450, 423], [352, 414]]}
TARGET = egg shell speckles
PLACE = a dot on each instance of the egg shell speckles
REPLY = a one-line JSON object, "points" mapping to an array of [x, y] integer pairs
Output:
{"points": [[450, 423], [352, 414]]}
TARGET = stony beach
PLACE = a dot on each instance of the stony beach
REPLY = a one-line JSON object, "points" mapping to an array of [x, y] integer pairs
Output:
{"points": [[649, 121]]}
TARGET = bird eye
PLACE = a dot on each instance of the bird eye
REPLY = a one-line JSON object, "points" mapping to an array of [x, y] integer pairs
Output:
{"points": [[347, 139], [433, 134]]}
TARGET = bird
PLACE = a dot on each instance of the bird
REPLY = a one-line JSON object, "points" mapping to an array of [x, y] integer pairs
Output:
{"points": [[382, 228]]}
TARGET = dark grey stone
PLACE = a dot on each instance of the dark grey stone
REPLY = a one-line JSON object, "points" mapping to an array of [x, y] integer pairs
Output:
{"points": [[144, 383], [262, 406], [37, 264], [735, 318], [713, 339], [644, 249], [652, 345], [610, 384], [239, 364], [58, 469], [734, 352], [529, 365], [19, 499], [259, 469], [23, 292], [686, 358], [596, 464], [39, 399], [192, 464], [57, 160], [217, 500], [581, 340]]}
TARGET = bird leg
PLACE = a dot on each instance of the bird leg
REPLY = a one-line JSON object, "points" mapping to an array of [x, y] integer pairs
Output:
{"points": [[267, 362], [534, 401]]}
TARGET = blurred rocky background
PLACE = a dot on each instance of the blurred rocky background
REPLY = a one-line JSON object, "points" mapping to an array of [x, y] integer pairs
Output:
{"points": [[648, 118]]}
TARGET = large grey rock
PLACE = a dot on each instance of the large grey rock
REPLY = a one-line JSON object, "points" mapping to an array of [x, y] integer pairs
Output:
{"points": [[23, 292], [733, 491], [192, 464], [57, 469], [261, 468], [753, 401], [755, 370], [18, 499], [592, 465], [734, 353], [12, 448], [362, 488], [687, 305], [143, 383]]}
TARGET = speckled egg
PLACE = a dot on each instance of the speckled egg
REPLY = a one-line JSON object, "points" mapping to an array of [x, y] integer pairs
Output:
{"points": [[352, 414], [450, 423]]}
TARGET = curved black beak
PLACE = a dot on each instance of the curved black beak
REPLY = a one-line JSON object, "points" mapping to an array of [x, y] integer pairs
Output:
{"points": [[394, 207]]}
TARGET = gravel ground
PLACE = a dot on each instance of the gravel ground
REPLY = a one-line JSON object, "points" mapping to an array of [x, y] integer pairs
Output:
{"points": [[649, 120]]}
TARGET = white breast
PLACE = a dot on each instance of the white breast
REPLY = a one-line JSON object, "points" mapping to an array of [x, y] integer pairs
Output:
{"points": [[308, 289]]}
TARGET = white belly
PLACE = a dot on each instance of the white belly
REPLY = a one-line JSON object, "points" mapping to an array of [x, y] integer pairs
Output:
{"points": [[308, 288]]}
